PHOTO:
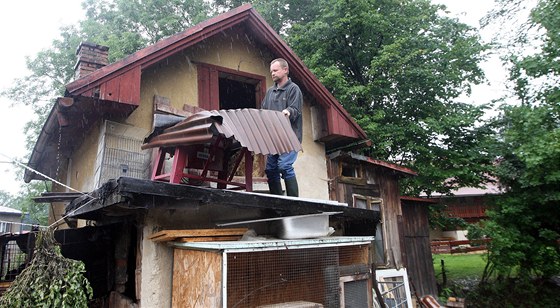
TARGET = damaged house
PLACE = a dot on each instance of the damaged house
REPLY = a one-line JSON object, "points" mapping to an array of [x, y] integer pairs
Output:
{"points": [[166, 211]]}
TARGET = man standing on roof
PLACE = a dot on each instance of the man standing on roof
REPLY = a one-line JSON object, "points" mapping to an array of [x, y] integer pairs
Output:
{"points": [[284, 96]]}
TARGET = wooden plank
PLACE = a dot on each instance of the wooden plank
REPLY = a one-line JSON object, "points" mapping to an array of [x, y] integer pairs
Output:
{"points": [[169, 235], [209, 238], [163, 104]]}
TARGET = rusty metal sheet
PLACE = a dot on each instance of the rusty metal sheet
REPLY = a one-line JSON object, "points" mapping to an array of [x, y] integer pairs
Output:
{"points": [[260, 131]]}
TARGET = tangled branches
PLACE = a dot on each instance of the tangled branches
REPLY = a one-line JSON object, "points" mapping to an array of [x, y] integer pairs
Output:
{"points": [[50, 280]]}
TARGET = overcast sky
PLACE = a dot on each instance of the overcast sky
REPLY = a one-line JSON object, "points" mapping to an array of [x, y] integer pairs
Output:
{"points": [[29, 26]]}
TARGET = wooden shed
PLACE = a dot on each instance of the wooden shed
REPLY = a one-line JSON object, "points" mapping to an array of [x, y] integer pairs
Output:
{"points": [[366, 183], [402, 234]]}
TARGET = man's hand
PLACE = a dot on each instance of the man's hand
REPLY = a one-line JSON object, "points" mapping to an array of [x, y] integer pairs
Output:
{"points": [[286, 112]]}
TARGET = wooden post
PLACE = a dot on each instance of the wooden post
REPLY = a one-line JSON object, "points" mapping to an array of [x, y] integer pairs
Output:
{"points": [[248, 170]]}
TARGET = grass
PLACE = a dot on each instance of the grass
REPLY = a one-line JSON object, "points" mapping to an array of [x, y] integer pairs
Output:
{"points": [[459, 266]]}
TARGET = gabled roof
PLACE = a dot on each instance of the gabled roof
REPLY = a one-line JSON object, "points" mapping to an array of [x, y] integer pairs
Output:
{"points": [[107, 82], [114, 90], [417, 200], [9, 210]]}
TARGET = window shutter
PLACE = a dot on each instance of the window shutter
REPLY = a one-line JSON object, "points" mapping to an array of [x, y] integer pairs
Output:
{"points": [[208, 88]]}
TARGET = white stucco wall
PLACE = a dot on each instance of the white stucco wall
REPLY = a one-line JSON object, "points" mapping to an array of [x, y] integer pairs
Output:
{"points": [[157, 270], [311, 166]]}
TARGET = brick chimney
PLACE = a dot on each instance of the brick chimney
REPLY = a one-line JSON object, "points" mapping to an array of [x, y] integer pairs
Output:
{"points": [[90, 58]]}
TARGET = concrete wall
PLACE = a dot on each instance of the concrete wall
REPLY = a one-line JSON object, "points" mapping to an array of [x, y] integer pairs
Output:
{"points": [[157, 257], [311, 166], [157, 269]]}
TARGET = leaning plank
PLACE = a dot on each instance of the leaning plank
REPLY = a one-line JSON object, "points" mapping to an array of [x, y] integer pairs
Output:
{"points": [[169, 235]]}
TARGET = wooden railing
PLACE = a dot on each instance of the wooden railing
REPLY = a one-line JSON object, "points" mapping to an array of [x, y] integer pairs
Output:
{"points": [[458, 246]]}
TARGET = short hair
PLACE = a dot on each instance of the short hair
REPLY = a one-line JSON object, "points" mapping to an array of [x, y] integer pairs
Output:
{"points": [[283, 63]]}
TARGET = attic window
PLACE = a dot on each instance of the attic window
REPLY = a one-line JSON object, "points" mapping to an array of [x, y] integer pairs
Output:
{"points": [[349, 170]]}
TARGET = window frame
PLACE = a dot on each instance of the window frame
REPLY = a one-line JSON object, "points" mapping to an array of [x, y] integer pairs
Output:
{"points": [[369, 206], [208, 77]]}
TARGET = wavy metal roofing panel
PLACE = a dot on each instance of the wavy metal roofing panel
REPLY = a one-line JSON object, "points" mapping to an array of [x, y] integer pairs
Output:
{"points": [[260, 131]]}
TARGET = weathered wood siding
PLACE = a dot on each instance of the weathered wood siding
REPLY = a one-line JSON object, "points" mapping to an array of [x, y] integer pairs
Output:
{"points": [[378, 182], [389, 192], [417, 251]]}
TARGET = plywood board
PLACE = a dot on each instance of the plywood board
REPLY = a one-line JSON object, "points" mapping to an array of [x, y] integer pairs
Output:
{"points": [[197, 279]]}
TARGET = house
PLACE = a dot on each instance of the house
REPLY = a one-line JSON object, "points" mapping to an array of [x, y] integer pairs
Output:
{"points": [[402, 234], [467, 203], [10, 224], [10, 220], [161, 240]]}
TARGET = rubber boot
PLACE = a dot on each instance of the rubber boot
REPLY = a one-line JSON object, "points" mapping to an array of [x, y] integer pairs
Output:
{"points": [[292, 187], [275, 188]]}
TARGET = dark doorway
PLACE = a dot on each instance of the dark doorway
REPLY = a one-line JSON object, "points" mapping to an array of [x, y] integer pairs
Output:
{"points": [[237, 92]]}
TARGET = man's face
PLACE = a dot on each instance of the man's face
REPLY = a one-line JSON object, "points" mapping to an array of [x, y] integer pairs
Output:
{"points": [[278, 72]]}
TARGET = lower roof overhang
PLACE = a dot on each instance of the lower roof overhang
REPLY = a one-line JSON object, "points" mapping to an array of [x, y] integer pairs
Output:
{"points": [[70, 119], [126, 198]]}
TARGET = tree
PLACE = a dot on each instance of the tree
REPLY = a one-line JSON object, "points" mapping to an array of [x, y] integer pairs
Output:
{"points": [[398, 68], [525, 223], [51, 70], [5, 198], [38, 212]]}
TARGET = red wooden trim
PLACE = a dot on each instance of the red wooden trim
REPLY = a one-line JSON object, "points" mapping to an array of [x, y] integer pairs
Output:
{"points": [[203, 77], [230, 71], [214, 90]]}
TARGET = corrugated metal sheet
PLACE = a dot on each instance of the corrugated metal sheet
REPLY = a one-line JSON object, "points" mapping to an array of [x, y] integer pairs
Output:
{"points": [[260, 131]]}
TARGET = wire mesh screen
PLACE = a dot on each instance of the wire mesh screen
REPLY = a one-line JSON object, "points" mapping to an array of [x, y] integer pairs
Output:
{"points": [[284, 278], [122, 156], [13, 261], [356, 294]]}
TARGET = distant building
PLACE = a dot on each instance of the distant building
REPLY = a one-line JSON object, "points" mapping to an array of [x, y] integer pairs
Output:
{"points": [[12, 258], [467, 203], [10, 220]]}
